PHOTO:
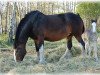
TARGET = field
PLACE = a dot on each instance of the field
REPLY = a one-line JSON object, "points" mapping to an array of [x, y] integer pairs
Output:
{"points": [[53, 52]]}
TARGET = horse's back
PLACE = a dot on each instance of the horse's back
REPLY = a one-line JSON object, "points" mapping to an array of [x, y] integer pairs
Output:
{"points": [[62, 25]]}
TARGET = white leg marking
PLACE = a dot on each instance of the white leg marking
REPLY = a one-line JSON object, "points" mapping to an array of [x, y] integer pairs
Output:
{"points": [[14, 56], [41, 54]]}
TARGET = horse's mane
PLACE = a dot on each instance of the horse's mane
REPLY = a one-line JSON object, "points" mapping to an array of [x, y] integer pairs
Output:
{"points": [[22, 23]]}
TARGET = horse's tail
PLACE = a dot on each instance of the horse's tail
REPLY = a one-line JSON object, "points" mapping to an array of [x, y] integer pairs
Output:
{"points": [[83, 29]]}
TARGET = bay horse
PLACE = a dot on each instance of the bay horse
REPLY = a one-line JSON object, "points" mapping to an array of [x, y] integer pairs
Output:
{"points": [[40, 27], [91, 44]]}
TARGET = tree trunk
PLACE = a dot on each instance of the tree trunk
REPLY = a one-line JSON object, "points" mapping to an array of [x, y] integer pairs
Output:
{"points": [[13, 23], [7, 19], [0, 25]]}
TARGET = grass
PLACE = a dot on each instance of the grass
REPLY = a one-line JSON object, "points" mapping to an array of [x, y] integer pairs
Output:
{"points": [[53, 52], [4, 41]]}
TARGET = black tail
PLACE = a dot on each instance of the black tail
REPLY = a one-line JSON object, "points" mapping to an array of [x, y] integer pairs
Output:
{"points": [[83, 29]]}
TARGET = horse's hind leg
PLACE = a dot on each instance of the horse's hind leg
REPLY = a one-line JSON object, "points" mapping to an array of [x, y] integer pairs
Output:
{"points": [[80, 40], [67, 53]]}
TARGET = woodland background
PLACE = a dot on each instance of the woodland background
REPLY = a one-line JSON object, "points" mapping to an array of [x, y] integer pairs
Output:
{"points": [[12, 12]]}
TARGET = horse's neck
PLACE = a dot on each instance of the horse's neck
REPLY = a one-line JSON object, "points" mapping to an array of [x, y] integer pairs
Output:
{"points": [[22, 42], [24, 36]]}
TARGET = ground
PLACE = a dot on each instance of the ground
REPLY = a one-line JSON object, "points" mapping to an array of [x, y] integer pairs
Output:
{"points": [[53, 52]]}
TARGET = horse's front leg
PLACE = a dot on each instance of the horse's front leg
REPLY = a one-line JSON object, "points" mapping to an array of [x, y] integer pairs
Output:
{"points": [[39, 44], [37, 50]]}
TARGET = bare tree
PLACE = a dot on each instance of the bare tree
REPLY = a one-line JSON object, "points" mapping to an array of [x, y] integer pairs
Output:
{"points": [[12, 22], [2, 9]]}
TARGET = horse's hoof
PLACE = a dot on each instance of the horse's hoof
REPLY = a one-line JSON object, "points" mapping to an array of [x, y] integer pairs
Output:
{"points": [[42, 62], [18, 61]]}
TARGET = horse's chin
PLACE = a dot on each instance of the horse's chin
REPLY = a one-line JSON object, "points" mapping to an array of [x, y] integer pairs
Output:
{"points": [[19, 61]]}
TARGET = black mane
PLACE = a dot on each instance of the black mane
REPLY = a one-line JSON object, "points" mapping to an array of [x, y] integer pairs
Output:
{"points": [[22, 24]]}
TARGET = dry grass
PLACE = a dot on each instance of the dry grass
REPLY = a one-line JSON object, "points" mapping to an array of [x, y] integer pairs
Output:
{"points": [[53, 52]]}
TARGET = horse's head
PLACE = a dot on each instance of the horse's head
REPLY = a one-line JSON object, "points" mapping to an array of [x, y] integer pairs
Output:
{"points": [[94, 23], [19, 53], [22, 34]]}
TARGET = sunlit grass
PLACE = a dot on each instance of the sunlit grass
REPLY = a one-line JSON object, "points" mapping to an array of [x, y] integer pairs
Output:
{"points": [[4, 41]]}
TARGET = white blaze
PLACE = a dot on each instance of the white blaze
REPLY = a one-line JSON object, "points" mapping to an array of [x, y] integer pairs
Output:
{"points": [[14, 56], [94, 27], [41, 52]]}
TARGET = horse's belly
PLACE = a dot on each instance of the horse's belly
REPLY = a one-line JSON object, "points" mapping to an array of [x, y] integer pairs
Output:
{"points": [[56, 34], [55, 37]]}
